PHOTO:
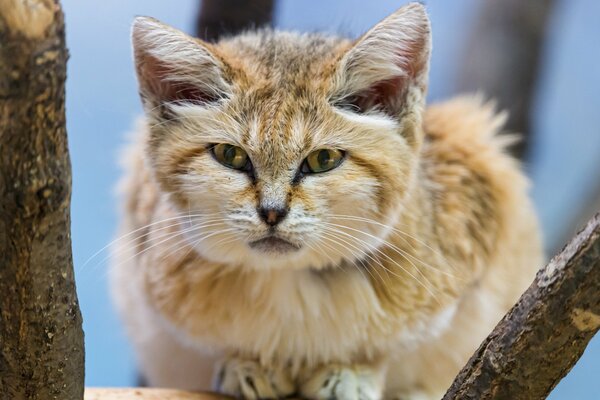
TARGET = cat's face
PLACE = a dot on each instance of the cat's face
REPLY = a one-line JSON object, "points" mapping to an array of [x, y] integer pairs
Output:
{"points": [[285, 150]]}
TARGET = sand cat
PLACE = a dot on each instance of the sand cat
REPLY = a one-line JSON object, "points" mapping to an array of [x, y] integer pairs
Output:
{"points": [[297, 222]]}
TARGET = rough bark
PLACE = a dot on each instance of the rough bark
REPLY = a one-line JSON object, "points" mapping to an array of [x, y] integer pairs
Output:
{"points": [[502, 59], [227, 17], [545, 333], [41, 338]]}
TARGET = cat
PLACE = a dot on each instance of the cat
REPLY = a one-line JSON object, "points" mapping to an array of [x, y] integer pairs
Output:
{"points": [[296, 222]]}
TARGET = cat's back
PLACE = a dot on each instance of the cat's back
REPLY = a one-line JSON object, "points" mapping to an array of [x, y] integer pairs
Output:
{"points": [[472, 176]]}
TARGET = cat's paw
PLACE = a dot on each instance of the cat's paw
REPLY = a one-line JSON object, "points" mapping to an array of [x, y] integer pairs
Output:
{"points": [[337, 382], [247, 379]]}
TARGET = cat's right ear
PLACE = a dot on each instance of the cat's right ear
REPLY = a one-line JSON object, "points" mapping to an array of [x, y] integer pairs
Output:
{"points": [[386, 68], [174, 68]]}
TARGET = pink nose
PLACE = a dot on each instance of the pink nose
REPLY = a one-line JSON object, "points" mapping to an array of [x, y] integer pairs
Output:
{"points": [[272, 216]]}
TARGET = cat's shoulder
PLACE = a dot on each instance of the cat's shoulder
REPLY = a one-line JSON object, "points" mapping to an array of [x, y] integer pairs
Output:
{"points": [[467, 133], [466, 158], [467, 122]]}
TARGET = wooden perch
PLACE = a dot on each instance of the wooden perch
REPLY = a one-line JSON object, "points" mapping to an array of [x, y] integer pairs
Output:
{"points": [[147, 394], [41, 339], [542, 337]]}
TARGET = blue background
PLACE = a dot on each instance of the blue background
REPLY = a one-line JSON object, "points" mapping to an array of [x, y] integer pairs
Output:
{"points": [[102, 104]]}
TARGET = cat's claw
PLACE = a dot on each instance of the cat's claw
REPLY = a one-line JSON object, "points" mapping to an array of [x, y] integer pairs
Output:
{"points": [[343, 383], [247, 379]]}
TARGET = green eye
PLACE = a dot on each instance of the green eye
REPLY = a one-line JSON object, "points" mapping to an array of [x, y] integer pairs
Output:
{"points": [[230, 156], [323, 160]]}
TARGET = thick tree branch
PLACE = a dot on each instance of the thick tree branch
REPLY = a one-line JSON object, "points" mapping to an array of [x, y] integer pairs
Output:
{"points": [[545, 333], [41, 339]]}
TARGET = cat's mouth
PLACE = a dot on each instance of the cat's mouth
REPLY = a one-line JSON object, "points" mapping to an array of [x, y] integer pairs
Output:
{"points": [[274, 244]]}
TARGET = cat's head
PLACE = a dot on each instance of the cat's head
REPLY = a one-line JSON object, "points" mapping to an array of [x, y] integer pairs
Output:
{"points": [[286, 150]]}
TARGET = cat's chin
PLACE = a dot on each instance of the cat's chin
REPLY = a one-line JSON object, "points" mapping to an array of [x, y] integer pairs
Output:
{"points": [[272, 245]]}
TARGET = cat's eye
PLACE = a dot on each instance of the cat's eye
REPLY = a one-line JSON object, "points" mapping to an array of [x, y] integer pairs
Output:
{"points": [[231, 156], [322, 160]]}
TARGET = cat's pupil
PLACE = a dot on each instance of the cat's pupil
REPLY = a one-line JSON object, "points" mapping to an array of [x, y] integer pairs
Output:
{"points": [[324, 158], [230, 153]]}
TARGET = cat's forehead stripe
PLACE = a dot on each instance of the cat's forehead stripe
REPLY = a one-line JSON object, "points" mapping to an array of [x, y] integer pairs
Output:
{"points": [[283, 57]]}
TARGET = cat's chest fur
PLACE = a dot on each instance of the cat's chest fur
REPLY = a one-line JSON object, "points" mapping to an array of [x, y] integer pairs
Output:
{"points": [[297, 316]]}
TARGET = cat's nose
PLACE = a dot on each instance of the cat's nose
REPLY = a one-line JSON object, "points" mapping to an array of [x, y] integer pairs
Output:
{"points": [[272, 216]]}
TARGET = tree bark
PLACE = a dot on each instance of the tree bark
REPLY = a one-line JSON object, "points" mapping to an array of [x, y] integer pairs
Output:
{"points": [[41, 338], [227, 17], [545, 333], [502, 59]]}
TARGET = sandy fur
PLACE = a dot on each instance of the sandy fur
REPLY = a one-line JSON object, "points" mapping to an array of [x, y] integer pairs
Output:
{"points": [[451, 243]]}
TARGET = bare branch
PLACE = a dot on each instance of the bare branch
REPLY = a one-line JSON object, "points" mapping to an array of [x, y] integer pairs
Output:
{"points": [[542, 337]]}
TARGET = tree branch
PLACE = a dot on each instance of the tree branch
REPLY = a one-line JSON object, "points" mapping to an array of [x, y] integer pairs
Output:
{"points": [[41, 339], [542, 337]]}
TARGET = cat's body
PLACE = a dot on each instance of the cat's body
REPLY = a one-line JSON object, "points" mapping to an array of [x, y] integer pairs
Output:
{"points": [[396, 261]]}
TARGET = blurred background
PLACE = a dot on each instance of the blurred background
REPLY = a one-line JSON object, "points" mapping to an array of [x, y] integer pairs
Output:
{"points": [[539, 58]]}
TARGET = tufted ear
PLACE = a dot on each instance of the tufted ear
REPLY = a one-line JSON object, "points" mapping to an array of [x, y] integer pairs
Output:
{"points": [[387, 63], [173, 67]]}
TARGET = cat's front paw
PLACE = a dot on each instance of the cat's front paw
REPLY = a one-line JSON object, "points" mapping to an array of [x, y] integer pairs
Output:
{"points": [[338, 382], [247, 379]]}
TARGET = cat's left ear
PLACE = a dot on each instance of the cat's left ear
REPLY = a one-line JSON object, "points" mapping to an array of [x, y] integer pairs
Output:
{"points": [[173, 67], [386, 69]]}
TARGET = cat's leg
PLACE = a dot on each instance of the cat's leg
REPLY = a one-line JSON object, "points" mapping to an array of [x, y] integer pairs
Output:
{"points": [[344, 382], [247, 379]]}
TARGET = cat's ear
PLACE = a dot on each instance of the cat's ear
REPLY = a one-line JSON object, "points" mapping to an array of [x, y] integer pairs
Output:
{"points": [[173, 67], [386, 69]]}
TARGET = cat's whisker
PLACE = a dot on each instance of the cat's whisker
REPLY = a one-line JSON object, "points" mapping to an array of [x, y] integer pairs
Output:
{"points": [[181, 232], [397, 264], [185, 239], [397, 231], [389, 271], [193, 232], [406, 253], [141, 229], [178, 242], [118, 248], [192, 241], [231, 237], [362, 253], [356, 257], [197, 242], [320, 251], [381, 252], [345, 247]]}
